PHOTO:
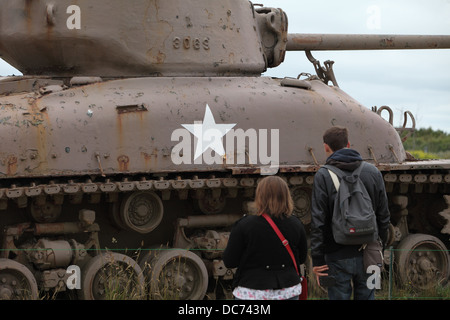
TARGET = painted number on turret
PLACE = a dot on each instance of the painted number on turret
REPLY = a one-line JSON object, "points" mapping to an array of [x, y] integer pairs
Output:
{"points": [[74, 20], [190, 43]]}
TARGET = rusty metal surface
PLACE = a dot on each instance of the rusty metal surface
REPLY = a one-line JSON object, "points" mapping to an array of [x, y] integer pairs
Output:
{"points": [[317, 42], [112, 38], [417, 165], [95, 125], [165, 38], [115, 126]]}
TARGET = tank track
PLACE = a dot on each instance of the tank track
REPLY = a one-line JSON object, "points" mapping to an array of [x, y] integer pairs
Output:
{"points": [[403, 187], [421, 182], [180, 187], [214, 186], [89, 187]]}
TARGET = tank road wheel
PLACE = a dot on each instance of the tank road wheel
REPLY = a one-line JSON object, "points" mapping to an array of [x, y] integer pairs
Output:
{"points": [[422, 261], [16, 281], [112, 276], [141, 211], [176, 275], [302, 203]]}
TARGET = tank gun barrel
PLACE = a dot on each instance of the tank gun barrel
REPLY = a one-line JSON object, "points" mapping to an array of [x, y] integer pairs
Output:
{"points": [[322, 42]]}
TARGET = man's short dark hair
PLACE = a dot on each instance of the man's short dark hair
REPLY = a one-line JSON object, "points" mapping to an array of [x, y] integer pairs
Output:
{"points": [[336, 138]]}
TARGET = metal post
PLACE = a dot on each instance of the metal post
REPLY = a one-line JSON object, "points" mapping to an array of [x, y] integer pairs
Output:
{"points": [[391, 258]]}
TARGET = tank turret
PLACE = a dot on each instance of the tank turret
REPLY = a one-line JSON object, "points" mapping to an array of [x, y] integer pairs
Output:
{"points": [[148, 125], [110, 38]]}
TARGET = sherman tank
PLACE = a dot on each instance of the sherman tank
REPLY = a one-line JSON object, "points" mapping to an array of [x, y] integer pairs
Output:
{"points": [[138, 133]]}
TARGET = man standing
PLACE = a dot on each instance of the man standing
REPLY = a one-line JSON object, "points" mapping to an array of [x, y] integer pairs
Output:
{"points": [[343, 263]]}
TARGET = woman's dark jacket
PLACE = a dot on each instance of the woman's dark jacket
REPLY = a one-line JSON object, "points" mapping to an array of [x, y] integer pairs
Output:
{"points": [[262, 260]]}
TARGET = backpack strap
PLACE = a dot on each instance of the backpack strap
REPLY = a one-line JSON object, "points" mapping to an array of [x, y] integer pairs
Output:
{"points": [[336, 172], [359, 169], [335, 179], [282, 238]]}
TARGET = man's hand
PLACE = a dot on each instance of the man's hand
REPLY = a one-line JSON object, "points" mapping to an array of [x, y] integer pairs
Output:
{"points": [[318, 271]]}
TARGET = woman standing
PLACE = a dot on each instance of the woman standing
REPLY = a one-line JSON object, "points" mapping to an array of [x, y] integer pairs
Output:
{"points": [[265, 269]]}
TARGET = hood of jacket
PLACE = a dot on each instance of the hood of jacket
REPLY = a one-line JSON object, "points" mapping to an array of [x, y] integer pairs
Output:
{"points": [[345, 159]]}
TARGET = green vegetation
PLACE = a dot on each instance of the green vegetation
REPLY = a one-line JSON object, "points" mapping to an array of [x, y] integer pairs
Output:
{"points": [[438, 291], [429, 144]]}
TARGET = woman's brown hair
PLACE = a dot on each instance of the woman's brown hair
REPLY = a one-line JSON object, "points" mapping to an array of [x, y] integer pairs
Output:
{"points": [[273, 197]]}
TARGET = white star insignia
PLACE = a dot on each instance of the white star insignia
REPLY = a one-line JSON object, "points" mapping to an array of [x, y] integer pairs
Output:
{"points": [[209, 134]]}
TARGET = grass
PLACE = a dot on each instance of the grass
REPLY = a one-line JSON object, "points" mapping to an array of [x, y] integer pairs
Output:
{"points": [[438, 291], [421, 155], [409, 292], [117, 281]]}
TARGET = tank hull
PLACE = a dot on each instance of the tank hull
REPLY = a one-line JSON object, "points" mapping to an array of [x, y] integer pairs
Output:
{"points": [[113, 169], [139, 126]]}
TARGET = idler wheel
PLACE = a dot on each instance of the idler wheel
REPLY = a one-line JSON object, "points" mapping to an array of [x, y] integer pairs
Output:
{"points": [[422, 261], [140, 211], [16, 281], [112, 276], [175, 274]]}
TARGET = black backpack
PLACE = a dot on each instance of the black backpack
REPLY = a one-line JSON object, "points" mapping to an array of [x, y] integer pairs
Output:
{"points": [[354, 220]]}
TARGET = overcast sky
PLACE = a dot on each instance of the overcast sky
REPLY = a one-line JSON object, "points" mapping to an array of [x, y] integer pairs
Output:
{"points": [[414, 80]]}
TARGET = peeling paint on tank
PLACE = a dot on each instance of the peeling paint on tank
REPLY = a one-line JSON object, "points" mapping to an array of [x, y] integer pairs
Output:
{"points": [[11, 163], [123, 162], [150, 159], [41, 121]]}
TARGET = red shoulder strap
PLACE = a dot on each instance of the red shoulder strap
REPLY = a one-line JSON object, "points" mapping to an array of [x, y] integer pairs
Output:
{"points": [[282, 238]]}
